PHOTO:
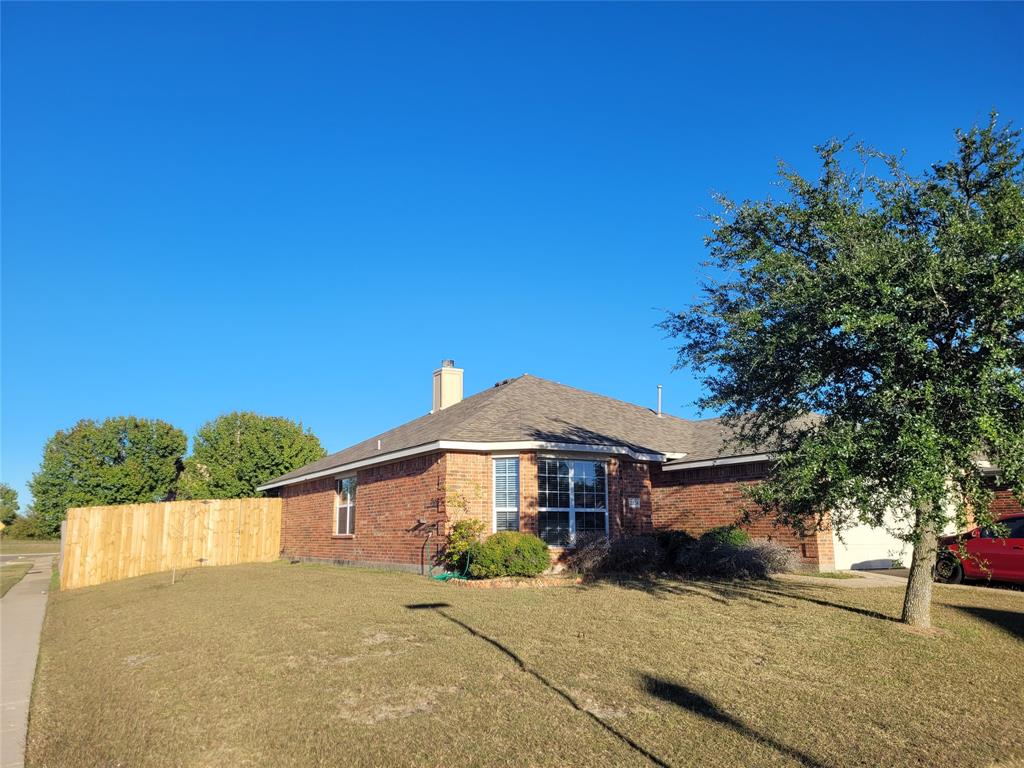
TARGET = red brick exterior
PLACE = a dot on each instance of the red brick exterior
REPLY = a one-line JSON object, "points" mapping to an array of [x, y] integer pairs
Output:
{"points": [[629, 480], [697, 500], [443, 488], [390, 499], [1005, 503]]}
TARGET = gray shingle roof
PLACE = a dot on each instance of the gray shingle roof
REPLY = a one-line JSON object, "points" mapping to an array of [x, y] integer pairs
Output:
{"points": [[531, 408]]}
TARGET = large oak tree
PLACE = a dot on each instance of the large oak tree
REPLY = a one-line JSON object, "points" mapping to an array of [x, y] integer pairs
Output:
{"points": [[890, 304]]}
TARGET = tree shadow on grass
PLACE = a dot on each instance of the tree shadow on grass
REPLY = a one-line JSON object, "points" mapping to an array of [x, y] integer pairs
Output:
{"points": [[1011, 622], [796, 592], [691, 701], [439, 609], [720, 591]]}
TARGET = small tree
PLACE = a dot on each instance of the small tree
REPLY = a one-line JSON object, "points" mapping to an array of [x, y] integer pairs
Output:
{"points": [[236, 452], [8, 504], [892, 307], [122, 460]]}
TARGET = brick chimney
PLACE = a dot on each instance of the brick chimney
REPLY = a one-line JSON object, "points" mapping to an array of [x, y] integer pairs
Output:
{"points": [[447, 385]]}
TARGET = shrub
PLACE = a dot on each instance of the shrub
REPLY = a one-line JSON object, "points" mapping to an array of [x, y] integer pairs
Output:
{"points": [[464, 534], [508, 553], [634, 554], [749, 560], [589, 556], [727, 534], [624, 554], [671, 542], [29, 527]]}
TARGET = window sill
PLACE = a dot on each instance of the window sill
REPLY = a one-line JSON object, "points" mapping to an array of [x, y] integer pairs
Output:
{"points": [[343, 535]]}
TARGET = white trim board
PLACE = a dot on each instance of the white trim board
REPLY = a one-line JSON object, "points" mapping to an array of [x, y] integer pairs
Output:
{"points": [[476, 447]]}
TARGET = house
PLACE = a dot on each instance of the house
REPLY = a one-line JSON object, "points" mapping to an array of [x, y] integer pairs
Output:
{"points": [[533, 455], [527, 454]]}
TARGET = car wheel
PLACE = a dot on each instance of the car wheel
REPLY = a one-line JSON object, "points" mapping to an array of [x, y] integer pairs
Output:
{"points": [[949, 570]]}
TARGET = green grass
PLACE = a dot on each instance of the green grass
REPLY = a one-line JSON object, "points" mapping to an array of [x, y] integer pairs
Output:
{"points": [[11, 574], [302, 665], [28, 546]]}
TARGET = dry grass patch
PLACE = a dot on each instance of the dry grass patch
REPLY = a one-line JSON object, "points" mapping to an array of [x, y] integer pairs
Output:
{"points": [[317, 666]]}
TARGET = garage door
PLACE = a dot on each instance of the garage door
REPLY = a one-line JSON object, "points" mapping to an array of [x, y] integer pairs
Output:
{"points": [[866, 548]]}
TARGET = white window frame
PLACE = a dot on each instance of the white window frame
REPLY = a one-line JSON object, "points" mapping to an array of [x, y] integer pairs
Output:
{"points": [[495, 509], [349, 507], [571, 509]]}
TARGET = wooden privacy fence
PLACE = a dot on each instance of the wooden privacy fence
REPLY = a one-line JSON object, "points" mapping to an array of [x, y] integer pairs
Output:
{"points": [[109, 543]]}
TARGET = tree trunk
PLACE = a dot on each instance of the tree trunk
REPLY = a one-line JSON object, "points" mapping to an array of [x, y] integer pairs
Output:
{"points": [[917, 603]]}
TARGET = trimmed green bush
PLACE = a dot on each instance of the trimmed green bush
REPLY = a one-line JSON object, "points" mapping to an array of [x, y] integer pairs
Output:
{"points": [[727, 534], [464, 535], [508, 553]]}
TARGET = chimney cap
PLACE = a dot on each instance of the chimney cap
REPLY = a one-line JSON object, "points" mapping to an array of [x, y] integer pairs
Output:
{"points": [[446, 363]]}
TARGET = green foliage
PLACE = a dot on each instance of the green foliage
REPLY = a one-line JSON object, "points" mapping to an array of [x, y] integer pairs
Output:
{"points": [[868, 329], [8, 504], [508, 553], [727, 534], [464, 535], [32, 526], [236, 452], [122, 460]]}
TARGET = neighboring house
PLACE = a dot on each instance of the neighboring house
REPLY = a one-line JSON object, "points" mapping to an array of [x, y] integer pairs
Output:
{"points": [[532, 455]]}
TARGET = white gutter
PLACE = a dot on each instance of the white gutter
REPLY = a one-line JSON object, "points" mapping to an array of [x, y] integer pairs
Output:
{"points": [[460, 445], [676, 466]]}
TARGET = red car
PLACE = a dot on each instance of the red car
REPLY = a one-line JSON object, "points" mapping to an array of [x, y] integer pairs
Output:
{"points": [[981, 554]]}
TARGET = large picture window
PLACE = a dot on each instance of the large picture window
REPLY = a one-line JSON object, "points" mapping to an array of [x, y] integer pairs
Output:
{"points": [[506, 493], [572, 498], [345, 507]]}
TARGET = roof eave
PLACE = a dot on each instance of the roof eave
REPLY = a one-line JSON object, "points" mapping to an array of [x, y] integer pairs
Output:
{"points": [[470, 446]]}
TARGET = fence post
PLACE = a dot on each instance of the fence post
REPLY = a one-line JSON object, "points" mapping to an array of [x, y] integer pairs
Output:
{"points": [[60, 556]]}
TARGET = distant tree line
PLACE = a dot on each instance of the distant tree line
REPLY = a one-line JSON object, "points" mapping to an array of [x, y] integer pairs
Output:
{"points": [[125, 460]]}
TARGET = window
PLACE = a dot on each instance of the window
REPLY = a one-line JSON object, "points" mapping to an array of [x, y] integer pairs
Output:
{"points": [[1010, 529], [572, 498], [345, 507], [506, 493]]}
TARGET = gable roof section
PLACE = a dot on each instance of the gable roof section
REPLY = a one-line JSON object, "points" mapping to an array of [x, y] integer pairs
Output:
{"points": [[528, 409]]}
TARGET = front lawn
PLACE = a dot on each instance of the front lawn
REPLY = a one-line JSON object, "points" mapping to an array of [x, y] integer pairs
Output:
{"points": [[298, 665]]}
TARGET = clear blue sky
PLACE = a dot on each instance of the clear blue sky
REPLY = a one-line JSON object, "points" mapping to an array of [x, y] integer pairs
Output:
{"points": [[299, 209]]}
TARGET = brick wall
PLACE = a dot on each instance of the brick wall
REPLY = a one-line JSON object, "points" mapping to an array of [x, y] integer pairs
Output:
{"points": [[1005, 503], [443, 488], [389, 500], [697, 500], [629, 479], [469, 487]]}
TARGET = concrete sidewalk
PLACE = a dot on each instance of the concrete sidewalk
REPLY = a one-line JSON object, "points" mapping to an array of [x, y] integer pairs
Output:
{"points": [[21, 620], [863, 580]]}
